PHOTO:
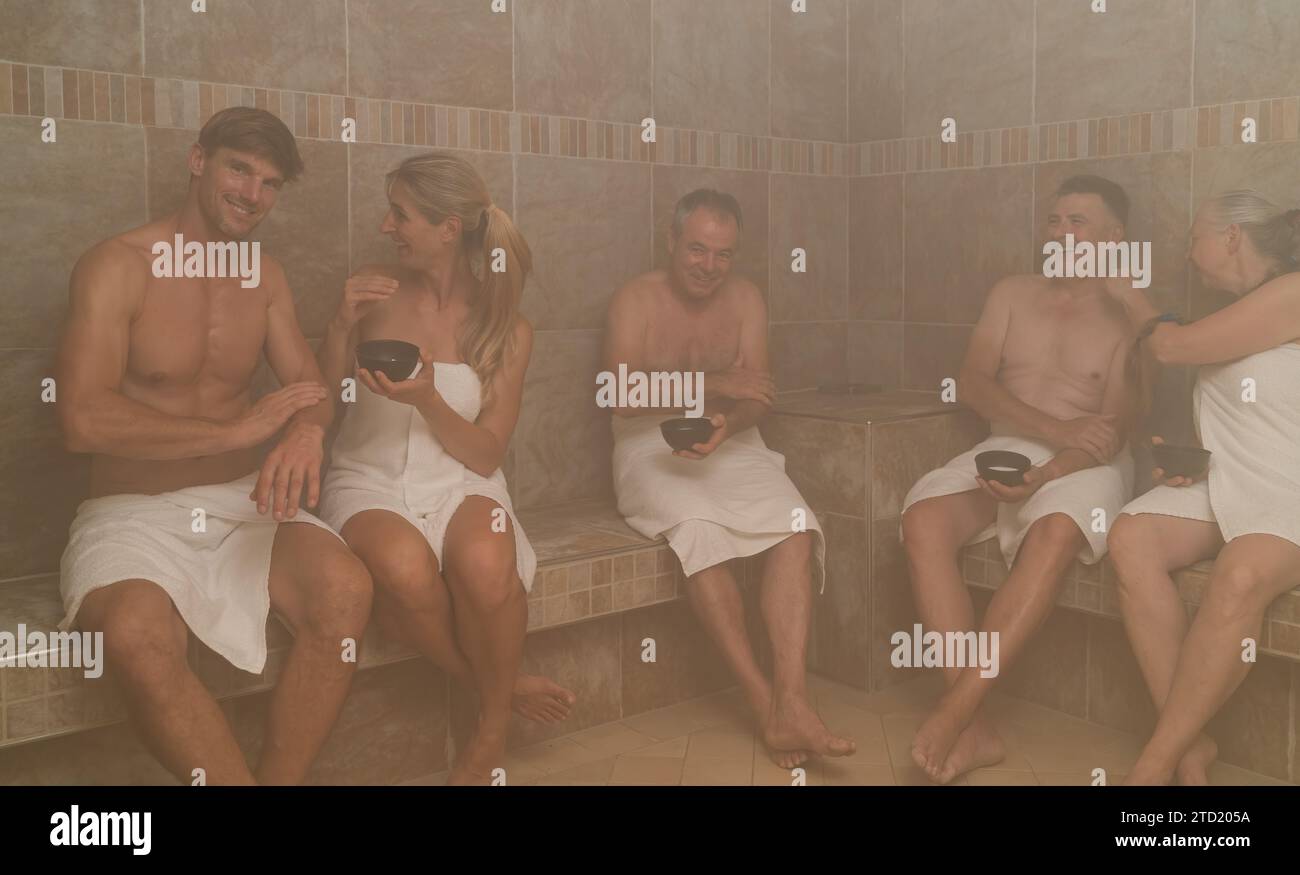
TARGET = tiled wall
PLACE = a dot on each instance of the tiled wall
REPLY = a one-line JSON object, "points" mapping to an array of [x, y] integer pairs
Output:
{"points": [[546, 100], [824, 124], [1151, 94]]}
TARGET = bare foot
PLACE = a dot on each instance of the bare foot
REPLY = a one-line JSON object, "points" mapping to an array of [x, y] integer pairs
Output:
{"points": [[934, 741], [978, 745], [793, 726], [1193, 768], [1145, 775], [541, 699], [788, 759], [482, 755]]}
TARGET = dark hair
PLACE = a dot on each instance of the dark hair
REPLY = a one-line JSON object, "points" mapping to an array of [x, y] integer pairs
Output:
{"points": [[710, 199], [247, 129], [1111, 193]]}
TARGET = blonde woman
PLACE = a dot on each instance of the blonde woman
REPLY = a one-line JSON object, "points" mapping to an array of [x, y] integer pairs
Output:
{"points": [[415, 485], [1243, 244]]}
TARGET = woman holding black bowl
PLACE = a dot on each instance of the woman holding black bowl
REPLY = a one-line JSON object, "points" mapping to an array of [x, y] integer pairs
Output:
{"points": [[439, 351], [1243, 507]]}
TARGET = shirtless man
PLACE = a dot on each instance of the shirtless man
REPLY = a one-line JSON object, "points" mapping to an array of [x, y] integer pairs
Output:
{"points": [[1046, 366], [729, 496], [155, 381]]}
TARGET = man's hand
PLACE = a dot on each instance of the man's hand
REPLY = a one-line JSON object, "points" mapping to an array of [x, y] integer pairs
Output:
{"points": [[699, 451], [1034, 479], [273, 410], [1096, 435], [293, 463], [739, 382], [417, 391], [1158, 474]]}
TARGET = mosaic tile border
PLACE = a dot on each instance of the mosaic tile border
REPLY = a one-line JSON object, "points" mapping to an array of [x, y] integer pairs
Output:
{"points": [[1171, 130], [88, 95], [1093, 589]]}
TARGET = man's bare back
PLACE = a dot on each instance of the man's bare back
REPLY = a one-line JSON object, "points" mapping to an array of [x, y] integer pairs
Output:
{"points": [[1059, 346]]}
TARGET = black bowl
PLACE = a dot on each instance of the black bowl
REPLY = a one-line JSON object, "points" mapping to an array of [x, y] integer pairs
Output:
{"points": [[1180, 461], [1004, 466], [395, 359], [682, 434]]}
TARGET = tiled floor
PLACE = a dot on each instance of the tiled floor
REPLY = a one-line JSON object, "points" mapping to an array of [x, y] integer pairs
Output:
{"points": [[710, 741]]}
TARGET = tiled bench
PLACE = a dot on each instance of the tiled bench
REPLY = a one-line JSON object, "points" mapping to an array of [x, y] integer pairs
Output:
{"points": [[1094, 590], [590, 565]]}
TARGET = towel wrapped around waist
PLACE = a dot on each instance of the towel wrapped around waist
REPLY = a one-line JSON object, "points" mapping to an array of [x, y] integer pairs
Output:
{"points": [[736, 502], [1078, 495], [218, 578]]}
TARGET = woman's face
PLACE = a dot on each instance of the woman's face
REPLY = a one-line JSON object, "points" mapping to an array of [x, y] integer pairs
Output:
{"points": [[1211, 253], [420, 243]]}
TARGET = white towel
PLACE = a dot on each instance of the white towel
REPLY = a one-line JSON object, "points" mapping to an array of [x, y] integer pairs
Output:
{"points": [[1076, 495], [387, 458], [1254, 478], [218, 578], [736, 502]]}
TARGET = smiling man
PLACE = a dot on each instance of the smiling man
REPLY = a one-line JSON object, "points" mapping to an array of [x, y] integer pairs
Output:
{"points": [[729, 496], [1046, 366], [184, 530]]}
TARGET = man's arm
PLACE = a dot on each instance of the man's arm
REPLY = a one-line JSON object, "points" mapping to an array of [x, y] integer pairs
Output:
{"points": [[106, 293], [625, 340], [287, 351], [1118, 399], [978, 386], [747, 412], [294, 462]]}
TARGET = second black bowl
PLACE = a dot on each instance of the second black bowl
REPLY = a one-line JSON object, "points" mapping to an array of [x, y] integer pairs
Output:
{"points": [[1004, 466], [684, 433], [395, 359], [1180, 461]]}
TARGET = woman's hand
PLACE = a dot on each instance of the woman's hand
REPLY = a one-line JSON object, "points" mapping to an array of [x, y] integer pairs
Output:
{"points": [[417, 391], [360, 294], [1158, 474]]}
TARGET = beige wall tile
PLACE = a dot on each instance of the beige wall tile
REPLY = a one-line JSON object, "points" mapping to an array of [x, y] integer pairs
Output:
{"points": [[875, 69], [808, 213], [1238, 44], [91, 34], [809, 71]]}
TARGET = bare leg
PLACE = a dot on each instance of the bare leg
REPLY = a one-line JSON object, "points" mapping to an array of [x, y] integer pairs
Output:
{"points": [[412, 599], [145, 643], [934, 532], [492, 618], [786, 602], [1251, 571], [323, 592], [1016, 611], [1145, 549]]}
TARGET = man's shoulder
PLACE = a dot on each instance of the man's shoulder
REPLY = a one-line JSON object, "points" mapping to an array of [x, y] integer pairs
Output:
{"points": [[1020, 286], [640, 287]]}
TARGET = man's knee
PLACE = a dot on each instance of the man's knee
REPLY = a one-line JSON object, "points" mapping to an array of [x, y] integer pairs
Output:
{"points": [[338, 602], [1237, 590], [145, 640], [927, 528], [1056, 531]]}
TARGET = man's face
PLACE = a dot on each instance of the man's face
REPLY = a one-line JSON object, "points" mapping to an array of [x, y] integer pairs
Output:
{"points": [[702, 256], [1086, 216], [236, 189]]}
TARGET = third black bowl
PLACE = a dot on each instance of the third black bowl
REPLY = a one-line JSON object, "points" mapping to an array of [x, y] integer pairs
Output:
{"points": [[684, 433], [395, 359], [1004, 466], [1180, 461]]}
